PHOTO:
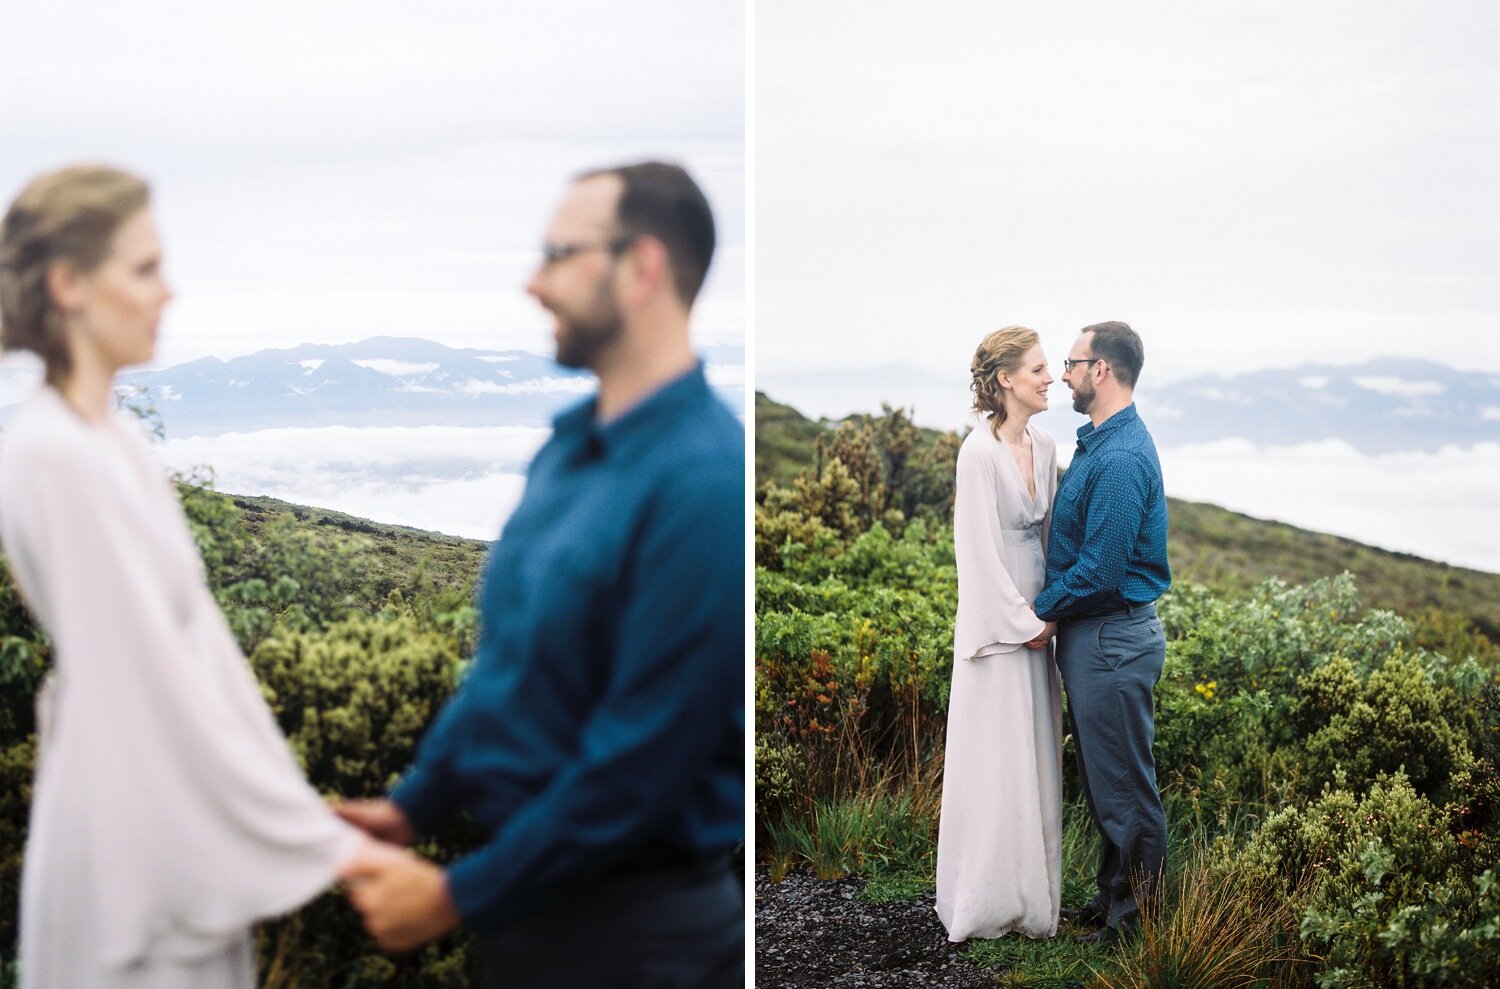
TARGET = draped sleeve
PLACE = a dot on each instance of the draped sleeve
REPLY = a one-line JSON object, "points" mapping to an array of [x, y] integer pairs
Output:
{"points": [[993, 616], [162, 769]]}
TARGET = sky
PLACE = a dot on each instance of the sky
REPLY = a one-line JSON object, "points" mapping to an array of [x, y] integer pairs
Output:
{"points": [[1249, 184], [332, 171]]}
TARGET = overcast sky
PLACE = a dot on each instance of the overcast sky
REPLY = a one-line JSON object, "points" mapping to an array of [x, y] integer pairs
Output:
{"points": [[1248, 183], [329, 171]]}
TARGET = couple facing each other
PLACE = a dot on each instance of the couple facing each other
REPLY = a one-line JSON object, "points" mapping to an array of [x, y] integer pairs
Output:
{"points": [[597, 738], [1082, 559]]}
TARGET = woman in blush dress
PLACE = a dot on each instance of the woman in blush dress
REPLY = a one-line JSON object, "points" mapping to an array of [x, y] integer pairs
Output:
{"points": [[168, 813], [999, 859]]}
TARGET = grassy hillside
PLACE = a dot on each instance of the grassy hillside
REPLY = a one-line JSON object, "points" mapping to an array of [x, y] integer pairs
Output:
{"points": [[784, 441], [389, 555], [1214, 546]]}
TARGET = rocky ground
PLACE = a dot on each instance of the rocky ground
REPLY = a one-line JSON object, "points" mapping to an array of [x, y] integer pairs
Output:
{"points": [[816, 932]]}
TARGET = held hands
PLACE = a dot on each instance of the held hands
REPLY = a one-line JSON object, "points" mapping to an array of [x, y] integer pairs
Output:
{"points": [[1040, 642], [380, 819], [403, 898]]}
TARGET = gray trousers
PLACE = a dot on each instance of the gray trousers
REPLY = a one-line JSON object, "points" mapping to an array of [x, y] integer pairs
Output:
{"points": [[1109, 670], [670, 929]]}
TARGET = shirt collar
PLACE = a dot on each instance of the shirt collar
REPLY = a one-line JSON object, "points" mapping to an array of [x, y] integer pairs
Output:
{"points": [[669, 400], [1089, 435]]}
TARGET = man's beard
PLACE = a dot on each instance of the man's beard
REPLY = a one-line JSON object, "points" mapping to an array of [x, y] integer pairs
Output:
{"points": [[1083, 396], [583, 337]]}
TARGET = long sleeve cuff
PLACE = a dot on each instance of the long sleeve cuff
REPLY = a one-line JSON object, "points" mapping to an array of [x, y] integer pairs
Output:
{"points": [[472, 887], [1062, 605], [422, 798]]}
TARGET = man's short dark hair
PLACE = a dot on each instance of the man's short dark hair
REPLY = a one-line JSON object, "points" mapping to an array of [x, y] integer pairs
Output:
{"points": [[662, 200], [1121, 349]]}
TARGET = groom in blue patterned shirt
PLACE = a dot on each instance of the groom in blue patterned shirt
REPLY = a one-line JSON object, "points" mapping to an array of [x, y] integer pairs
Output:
{"points": [[599, 736], [1106, 566]]}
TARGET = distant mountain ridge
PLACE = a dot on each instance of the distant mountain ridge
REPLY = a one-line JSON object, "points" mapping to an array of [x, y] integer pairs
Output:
{"points": [[1379, 406], [1383, 405], [382, 381]]}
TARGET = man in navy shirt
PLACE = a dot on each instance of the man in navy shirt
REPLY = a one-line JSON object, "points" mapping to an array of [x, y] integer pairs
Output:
{"points": [[599, 736], [1106, 566]]}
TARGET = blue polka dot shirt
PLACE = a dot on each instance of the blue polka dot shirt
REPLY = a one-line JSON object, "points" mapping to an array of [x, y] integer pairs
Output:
{"points": [[1108, 545]]}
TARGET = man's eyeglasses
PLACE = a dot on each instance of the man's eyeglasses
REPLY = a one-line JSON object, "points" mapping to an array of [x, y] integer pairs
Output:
{"points": [[1072, 362], [553, 253]]}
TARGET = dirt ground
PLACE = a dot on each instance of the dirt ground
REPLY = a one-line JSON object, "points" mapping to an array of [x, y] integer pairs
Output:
{"points": [[815, 932]]}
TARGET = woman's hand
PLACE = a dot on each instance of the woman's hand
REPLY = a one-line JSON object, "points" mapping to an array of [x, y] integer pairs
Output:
{"points": [[1040, 642], [380, 819]]}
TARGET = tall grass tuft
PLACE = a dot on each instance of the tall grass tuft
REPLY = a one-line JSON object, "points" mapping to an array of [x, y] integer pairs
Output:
{"points": [[1210, 928], [887, 828]]}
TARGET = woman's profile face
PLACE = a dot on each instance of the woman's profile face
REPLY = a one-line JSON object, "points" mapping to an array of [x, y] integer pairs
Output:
{"points": [[1029, 382], [115, 309]]}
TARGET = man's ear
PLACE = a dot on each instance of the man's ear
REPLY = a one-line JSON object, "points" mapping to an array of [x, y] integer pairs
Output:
{"points": [[64, 285], [650, 268]]}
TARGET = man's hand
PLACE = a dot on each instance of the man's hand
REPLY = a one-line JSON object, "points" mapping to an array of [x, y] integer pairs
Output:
{"points": [[1040, 642], [403, 898], [380, 819]]}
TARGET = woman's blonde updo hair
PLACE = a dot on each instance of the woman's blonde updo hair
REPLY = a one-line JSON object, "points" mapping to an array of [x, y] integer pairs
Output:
{"points": [[1000, 351], [67, 215]]}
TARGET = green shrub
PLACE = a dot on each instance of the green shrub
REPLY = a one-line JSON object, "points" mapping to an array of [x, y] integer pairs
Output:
{"points": [[1262, 699], [1390, 899], [1455, 636], [353, 700], [813, 520], [16, 760], [25, 657], [1393, 721], [854, 657]]}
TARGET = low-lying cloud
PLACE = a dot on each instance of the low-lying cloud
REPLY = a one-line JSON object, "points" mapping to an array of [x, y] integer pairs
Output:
{"points": [[535, 386], [1400, 387], [1437, 504], [462, 481]]}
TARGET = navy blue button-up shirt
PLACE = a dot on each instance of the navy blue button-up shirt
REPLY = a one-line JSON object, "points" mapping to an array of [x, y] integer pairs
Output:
{"points": [[604, 714], [1108, 543]]}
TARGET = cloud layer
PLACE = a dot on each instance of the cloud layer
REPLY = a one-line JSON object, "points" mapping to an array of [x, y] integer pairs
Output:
{"points": [[462, 481], [1433, 504]]}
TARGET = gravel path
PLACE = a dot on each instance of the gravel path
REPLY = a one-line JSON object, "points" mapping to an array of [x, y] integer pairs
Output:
{"points": [[814, 932]]}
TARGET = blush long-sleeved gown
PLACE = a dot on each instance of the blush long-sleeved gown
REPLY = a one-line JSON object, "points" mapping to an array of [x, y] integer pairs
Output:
{"points": [[999, 858], [168, 813]]}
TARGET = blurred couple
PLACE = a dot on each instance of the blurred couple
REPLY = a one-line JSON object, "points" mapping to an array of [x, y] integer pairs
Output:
{"points": [[1081, 561], [597, 739]]}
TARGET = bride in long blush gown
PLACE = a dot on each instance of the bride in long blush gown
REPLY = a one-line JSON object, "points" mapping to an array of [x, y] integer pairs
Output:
{"points": [[168, 813], [999, 859]]}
